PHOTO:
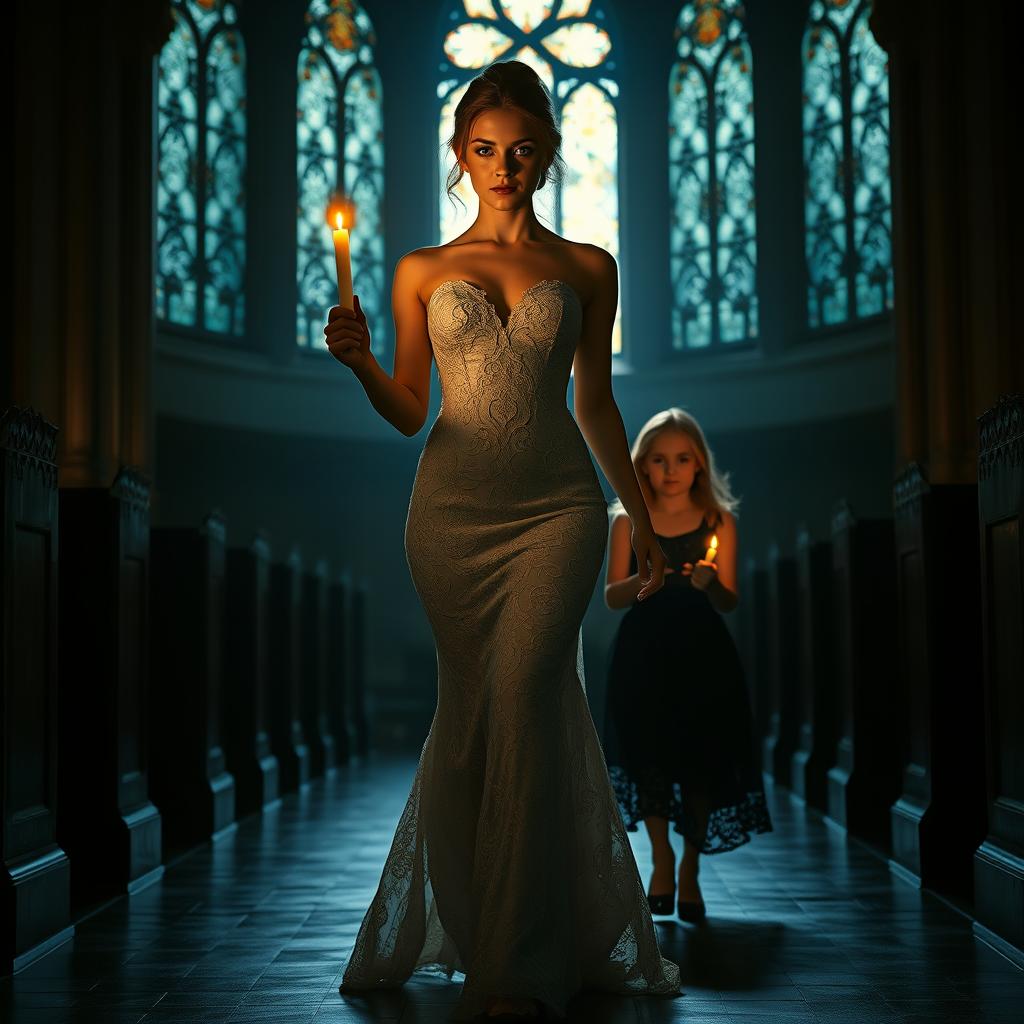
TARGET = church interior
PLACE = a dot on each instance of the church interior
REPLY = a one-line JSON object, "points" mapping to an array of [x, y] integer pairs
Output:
{"points": [[216, 673]]}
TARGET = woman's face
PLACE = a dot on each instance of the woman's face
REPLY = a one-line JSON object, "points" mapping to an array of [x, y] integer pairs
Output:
{"points": [[503, 149], [671, 463]]}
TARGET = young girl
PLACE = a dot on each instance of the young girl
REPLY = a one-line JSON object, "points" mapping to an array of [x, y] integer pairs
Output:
{"points": [[678, 731]]}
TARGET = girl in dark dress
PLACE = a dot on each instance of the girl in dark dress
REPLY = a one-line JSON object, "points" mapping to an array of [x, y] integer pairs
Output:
{"points": [[678, 731]]}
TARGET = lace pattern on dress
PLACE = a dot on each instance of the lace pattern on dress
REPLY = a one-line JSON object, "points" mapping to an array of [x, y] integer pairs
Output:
{"points": [[511, 861]]}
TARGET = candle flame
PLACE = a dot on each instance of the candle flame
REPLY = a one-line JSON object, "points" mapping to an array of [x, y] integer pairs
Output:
{"points": [[340, 213], [709, 555]]}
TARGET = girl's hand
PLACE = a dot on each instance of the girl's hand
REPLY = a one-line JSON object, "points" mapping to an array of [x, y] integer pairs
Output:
{"points": [[348, 337], [648, 550], [703, 574]]}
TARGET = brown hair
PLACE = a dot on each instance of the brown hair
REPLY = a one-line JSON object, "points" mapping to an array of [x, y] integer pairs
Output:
{"points": [[509, 83]]}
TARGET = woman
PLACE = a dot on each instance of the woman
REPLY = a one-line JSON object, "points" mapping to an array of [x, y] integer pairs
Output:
{"points": [[510, 862]]}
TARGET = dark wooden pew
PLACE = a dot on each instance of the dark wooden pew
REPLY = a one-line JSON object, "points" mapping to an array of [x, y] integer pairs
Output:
{"points": [[865, 779], [316, 720], [817, 681], [783, 651], [246, 697], [357, 691], [190, 781], [108, 824], [287, 738], [999, 861], [339, 657], [939, 819], [754, 618], [35, 877]]}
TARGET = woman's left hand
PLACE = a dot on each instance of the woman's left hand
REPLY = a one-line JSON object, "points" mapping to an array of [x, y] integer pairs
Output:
{"points": [[648, 552], [703, 574]]}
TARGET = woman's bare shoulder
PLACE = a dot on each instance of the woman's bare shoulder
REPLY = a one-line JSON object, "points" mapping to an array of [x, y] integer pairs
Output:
{"points": [[420, 259], [592, 255], [421, 269], [416, 268], [594, 266]]}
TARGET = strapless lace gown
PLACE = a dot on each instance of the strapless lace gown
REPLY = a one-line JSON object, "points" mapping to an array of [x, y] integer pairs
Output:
{"points": [[510, 862]]}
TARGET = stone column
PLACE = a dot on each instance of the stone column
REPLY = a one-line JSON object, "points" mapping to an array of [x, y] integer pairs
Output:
{"points": [[82, 348], [81, 353], [956, 259]]}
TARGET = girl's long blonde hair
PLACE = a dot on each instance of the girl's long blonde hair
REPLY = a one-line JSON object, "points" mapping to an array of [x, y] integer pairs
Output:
{"points": [[710, 491]]}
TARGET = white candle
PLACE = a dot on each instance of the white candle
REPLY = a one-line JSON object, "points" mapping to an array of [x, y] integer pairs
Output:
{"points": [[713, 550], [344, 263]]}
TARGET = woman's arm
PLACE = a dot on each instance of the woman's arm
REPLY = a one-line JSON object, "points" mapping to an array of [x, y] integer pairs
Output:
{"points": [[404, 398], [598, 416], [620, 588]]}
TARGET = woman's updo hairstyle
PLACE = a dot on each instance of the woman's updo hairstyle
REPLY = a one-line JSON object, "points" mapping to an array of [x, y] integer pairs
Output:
{"points": [[509, 83]]}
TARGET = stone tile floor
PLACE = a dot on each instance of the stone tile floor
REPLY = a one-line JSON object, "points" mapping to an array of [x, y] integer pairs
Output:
{"points": [[804, 926]]}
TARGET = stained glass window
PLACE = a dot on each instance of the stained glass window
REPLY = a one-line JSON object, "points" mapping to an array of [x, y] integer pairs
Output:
{"points": [[567, 44], [340, 139], [846, 156], [713, 242], [200, 230]]}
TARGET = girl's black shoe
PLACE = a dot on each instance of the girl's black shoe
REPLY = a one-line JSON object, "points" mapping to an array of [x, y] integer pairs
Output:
{"points": [[661, 904], [691, 911]]}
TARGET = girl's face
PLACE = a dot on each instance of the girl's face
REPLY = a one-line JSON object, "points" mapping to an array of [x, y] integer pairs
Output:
{"points": [[503, 150], [671, 463]]}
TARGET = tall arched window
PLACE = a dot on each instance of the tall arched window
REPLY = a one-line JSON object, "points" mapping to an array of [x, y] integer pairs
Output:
{"points": [[340, 137], [846, 157], [567, 44], [200, 232], [713, 241]]}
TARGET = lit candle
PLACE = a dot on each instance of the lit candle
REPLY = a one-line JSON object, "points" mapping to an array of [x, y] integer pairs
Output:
{"points": [[713, 550], [344, 263]]}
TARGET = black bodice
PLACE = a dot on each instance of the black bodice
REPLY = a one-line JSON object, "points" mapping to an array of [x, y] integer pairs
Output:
{"points": [[684, 547]]}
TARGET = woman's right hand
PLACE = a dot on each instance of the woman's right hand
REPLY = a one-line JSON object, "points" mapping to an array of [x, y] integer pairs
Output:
{"points": [[348, 337]]}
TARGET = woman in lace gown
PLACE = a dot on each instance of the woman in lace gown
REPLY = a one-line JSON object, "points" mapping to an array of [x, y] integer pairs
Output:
{"points": [[510, 862]]}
